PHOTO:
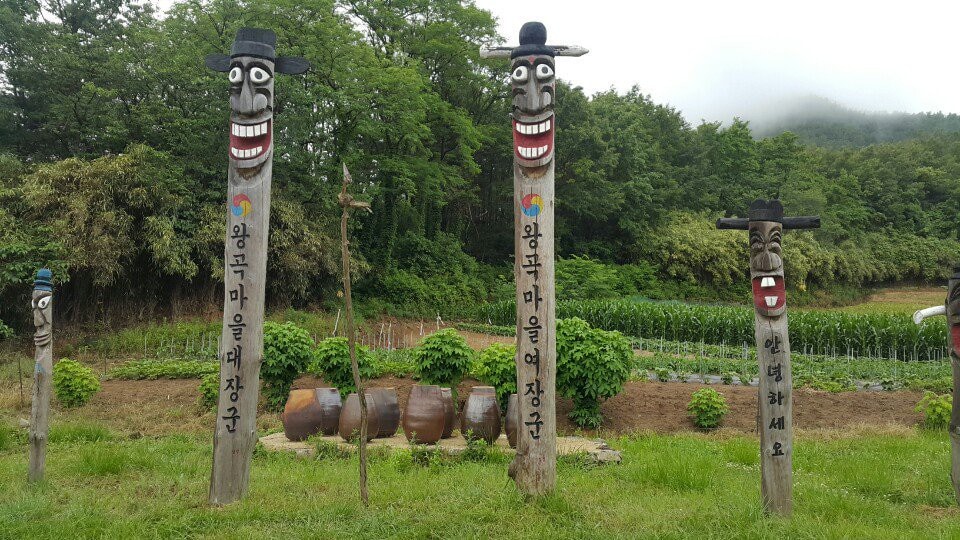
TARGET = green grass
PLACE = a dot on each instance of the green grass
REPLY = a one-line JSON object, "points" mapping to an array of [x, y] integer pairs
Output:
{"points": [[874, 485]]}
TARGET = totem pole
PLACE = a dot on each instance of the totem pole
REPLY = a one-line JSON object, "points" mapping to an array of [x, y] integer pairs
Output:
{"points": [[951, 309], [42, 305], [532, 79], [766, 225], [251, 65]]}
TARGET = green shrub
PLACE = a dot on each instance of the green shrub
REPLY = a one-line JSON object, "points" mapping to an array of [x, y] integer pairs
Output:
{"points": [[73, 383], [663, 374], [727, 377], [936, 410], [331, 360], [287, 351], [442, 358], [707, 408], [592, 366], [496, 365], [164, 369], [209, 390]]}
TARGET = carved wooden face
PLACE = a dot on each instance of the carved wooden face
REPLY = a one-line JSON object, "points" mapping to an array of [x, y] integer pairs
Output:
{"points": [[953, 311], [532, 80], [766, 268], [251, 118], [42, 306]]}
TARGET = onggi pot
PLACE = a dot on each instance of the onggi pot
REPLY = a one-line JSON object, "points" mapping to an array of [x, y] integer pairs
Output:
{"points": [[389, 407], [449, 413], [423, 421], [350, 417], [481, 415], [512, 420], [311, 411]]}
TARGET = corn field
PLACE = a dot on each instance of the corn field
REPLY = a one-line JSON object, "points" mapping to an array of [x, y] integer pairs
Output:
{"points": [[833, 334]]}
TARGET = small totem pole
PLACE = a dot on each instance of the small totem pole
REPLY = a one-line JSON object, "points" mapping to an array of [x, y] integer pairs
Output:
{"points": [[951, 309], [532, 77], [42, 305], [251, 66], [766, 225]]}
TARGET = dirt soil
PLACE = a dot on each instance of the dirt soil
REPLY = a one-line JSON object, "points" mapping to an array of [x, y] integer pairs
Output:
{"points": [[169, 406]]}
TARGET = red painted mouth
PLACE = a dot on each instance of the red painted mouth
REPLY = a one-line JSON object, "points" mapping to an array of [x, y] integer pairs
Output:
{"points": [[533, 141], [955, 336], [249, 141], [769, 292]]}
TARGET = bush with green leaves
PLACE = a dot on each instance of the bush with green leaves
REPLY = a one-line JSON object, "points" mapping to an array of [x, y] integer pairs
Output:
{"points": [[936, 410], [209, 390], [442, 358], [707, 408], [287, 351], [592, 366], [496, 365], [73, 383], [331, 360]]}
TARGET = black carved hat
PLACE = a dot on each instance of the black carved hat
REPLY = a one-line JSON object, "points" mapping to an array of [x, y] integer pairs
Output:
{"points": [[533, 39], [258, 43], [761, 210]]}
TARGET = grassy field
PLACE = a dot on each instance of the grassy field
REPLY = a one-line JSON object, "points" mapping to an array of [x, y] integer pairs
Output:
{"points": [[870, 484], [903, 300]]}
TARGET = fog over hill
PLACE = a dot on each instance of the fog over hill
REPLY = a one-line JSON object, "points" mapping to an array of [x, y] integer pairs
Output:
{"points": [[824, 122]]}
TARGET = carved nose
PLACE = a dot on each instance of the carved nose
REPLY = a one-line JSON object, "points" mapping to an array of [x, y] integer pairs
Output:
{"points": [[532, 99], [250, 102], [767, 262]]}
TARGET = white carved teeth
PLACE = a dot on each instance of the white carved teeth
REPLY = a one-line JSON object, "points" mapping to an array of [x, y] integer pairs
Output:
{"points": [[257, 130], [533, 129], [532, 152], [770, 300], [768, 282], [244, 154]]}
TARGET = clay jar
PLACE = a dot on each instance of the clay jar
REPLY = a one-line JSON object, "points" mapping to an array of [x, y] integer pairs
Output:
{"points": [[389, 407], [350, 417], [512, 420], [423, 420], [449, 413], [481, 415], [311, 411]]}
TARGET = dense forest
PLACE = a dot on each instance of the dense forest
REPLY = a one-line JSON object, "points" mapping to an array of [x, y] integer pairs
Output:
{"points": [[113, 168]]}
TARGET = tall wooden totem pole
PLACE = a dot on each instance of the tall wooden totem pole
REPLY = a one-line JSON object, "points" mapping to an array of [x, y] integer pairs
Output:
{"points": [[42, 306], [251, 66], [951, 309], [532, 79], [765, 225]]}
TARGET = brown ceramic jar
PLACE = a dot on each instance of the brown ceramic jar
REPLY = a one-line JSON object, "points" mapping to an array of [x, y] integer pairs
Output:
{"points": [[449, 413], [481, 415], [512, 420], [423, 420], [350, 417], [389, 407], [311, 411]]}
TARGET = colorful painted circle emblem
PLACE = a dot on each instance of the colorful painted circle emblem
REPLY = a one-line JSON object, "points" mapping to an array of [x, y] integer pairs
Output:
{"points": [[532, 205], [241, 205]]}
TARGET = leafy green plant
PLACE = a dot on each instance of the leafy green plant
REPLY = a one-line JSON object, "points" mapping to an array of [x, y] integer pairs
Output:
{"points": [[209, 390], [727, 377], [936, 410], [442, 358], [663, 374], [287, 351], [331, 360], [683, 376], [592, 366], [73, 383], [396, 362], [496, 366], [707, 408]]}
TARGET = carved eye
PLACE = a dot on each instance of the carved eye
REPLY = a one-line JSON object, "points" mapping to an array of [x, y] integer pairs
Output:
{"points": [[544, 72], [520, 74], [44, 302], [236, 75], [258, 75]]}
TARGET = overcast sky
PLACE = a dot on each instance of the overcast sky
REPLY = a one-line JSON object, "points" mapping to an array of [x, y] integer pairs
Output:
{"points": [[715, 60]]}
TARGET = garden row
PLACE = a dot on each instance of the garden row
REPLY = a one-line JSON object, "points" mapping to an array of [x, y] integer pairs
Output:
{"points": [[811, 332]]}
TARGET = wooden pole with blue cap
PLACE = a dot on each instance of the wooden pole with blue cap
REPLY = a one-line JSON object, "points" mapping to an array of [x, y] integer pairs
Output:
{"points": [[534, 470], [42, 306], [250, 67]]}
